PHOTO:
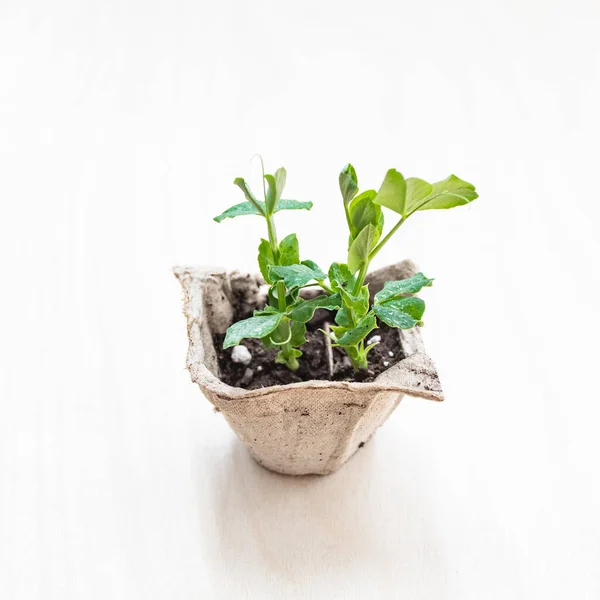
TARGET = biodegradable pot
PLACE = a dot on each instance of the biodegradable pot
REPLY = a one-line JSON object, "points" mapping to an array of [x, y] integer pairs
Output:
{"points": [[311, 427]]}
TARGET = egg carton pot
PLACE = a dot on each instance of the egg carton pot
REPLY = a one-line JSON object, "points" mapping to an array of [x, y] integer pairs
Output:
{"points": [[311, 427]]}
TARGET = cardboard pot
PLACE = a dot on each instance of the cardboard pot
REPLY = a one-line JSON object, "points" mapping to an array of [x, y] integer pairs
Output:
{"points": [[312, 427]]}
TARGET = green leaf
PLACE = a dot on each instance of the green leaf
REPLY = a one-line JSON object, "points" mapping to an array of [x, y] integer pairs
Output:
{"points": [[380, 223], [370, 347], [360, 303], [289, 253], [448, 193], [401, 312], [336, 331], [342, 319], [305, 309], [392, 193], [340, 277], [254, 327], [298, 334], [265, 259], [393, 289], [395, 318], [353, 353], [244, 208], [247, 208], [240, 182], [283, 358], [359, 250], [275, 185], [416, 191], [294, 275], [271, 195], [292, 205], [280, 179], [355, 335], [413, 306], [363, 211], [267, 310], [408, 196], [311, 264], [348, 183]]}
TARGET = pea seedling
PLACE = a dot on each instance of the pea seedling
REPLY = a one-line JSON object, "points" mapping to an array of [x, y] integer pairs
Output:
{"points": [[282, 323]]}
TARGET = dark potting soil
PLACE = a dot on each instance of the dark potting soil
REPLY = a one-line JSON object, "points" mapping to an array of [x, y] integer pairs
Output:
{"points": [[263, 371]]}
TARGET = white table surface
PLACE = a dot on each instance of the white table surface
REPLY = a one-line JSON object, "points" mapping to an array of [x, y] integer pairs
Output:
{"points": [[122, 125]]}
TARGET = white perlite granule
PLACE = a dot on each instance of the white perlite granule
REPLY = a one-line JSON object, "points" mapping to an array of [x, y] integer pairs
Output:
{"points": [[386, 363], [373, 339], [391, 353], [241, 354]]}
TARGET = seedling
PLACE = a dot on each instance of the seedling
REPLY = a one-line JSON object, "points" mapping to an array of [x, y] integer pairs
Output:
{"points": [[282, 323], [364, 216]]}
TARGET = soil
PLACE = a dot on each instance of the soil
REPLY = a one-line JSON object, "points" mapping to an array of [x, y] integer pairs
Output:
{"points": [[263, 371]]}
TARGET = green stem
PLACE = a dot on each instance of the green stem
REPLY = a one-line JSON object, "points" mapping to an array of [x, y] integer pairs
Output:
{"points": [[383, 242], [362, 362], [360, 278], [348, 219], [273, 238], [284, 326], [284, 329], [358, 358], [325, 287]]}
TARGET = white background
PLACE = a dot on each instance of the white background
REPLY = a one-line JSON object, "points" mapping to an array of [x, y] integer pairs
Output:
{"points": [[122, 126]]}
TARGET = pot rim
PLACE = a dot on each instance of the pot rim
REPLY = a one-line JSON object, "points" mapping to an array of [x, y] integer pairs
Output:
{"points": [[405, 372]]}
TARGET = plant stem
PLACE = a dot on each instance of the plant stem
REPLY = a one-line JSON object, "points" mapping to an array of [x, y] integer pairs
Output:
{"points": [[360, 361], [273, 238], [383, 242], [284, 326], [358, 358], [357, 354], [284, 329], [348, 219], [360, 278], [324, 287]]}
